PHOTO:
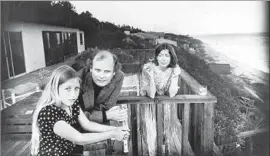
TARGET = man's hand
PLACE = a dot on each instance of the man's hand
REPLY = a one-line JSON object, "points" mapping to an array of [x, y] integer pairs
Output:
{"points": [[116, 113]]}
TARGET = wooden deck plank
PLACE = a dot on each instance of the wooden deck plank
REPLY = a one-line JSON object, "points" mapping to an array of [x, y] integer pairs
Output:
{"points": [[23, 149], [27, 151], [6, 144], [17, 148], [11, 148], [23, 119], [16, 128]]}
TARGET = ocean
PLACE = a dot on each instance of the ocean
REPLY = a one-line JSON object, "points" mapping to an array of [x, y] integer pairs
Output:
{"points": [[251, 50]]}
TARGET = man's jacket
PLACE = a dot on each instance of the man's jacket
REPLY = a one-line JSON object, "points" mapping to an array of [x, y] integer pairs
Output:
{"points": [[107, 98]]}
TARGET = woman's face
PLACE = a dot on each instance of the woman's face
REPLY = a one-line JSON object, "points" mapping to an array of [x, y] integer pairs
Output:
{"points": [[164, 58], [69, 91]]}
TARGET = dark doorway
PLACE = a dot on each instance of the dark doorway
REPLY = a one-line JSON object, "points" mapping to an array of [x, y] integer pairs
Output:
{"points": [[58, 46], [13, 62]]}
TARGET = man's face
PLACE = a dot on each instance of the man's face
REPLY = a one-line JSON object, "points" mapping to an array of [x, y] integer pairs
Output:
{"points": [[102, 71]]}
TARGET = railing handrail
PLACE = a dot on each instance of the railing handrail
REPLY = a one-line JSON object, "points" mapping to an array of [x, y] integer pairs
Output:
{"points": [[189, 98], [192, 83]]}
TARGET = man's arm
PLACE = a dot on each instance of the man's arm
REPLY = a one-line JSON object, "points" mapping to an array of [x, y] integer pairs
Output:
{"points": [[111, 101], [95, 116]]}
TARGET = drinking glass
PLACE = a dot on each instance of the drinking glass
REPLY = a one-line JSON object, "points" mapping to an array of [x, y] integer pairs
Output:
{"points": [[203, 90]]}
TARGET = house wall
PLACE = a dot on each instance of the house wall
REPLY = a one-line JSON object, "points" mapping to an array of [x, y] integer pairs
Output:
{"points": [[33, 42], [220, 68]]}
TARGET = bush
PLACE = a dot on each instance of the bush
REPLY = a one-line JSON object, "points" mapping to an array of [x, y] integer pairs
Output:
{"points": [[227, 119]]}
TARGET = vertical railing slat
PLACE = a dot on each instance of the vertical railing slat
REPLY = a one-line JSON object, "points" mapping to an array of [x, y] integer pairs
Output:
{"points": [[207, 129], [160, 128], [139, 135], [167, 127], [185, 128], [131, 127], [198, 112], [177, 133]]}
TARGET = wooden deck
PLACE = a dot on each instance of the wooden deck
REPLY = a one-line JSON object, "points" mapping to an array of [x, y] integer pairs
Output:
{"points": [[195, 113], [15, 148]]}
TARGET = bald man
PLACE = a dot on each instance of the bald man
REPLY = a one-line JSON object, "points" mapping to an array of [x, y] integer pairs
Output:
{"points": [[101, 85]]}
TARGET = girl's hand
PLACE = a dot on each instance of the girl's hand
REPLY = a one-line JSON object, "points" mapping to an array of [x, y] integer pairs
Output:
{"points": [[121, 133]]}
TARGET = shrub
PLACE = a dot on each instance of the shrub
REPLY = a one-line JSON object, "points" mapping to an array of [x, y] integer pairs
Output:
{"points": [[227, 119]]}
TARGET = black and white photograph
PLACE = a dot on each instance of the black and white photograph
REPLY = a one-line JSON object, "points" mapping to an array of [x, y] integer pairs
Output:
{"points": [[134, 78]]}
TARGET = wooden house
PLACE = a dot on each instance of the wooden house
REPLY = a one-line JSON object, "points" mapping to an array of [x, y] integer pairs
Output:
{"points": [[26, 47]]}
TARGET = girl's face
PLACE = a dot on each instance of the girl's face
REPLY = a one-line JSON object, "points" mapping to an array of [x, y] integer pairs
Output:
{"points": [[69, 91], [164, 58]]}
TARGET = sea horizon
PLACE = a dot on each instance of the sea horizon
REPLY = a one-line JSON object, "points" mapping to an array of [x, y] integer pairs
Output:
{"points": [[249, 49]]}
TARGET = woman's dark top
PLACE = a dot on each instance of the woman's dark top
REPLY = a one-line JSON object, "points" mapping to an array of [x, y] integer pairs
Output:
{"points": [[50, 143]]}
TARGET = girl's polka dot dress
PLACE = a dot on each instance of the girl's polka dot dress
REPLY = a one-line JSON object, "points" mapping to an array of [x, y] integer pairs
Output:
{"points": [[50, 143]]}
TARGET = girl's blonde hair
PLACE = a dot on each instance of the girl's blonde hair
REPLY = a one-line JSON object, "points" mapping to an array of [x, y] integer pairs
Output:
{"points": [[50, 96]]}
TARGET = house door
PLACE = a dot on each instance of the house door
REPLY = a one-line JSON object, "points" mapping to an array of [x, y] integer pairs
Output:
{"points": [[70, 43], [73, 40], [13, 62]]}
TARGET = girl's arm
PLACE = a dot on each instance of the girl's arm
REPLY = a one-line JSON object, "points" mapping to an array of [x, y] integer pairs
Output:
{"points": [[92, 126], [64, 130]]}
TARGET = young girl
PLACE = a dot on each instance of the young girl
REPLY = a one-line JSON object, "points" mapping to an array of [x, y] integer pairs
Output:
{"points": [[57, 112]]}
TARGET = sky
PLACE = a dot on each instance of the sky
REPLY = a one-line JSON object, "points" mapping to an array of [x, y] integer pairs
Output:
{"points": [[181, 17]]}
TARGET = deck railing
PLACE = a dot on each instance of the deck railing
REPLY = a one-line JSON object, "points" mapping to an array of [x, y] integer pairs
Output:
{"points": [[194, 111]]}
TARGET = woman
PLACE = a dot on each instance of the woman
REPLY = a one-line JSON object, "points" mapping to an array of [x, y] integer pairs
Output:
{"points": [[159, 77], [57, 112]]}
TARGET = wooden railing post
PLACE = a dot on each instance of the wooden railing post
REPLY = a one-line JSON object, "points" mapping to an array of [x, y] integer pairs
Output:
{"points": [[207, 130]]}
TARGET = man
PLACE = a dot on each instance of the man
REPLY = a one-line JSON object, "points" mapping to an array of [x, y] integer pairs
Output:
{"points": [[101, 85]]}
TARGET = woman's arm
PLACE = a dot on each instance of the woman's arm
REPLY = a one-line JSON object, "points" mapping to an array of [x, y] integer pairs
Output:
{"points": [[64, 130], [92, 126], [151, 90], [173, 88], [148, 82]]}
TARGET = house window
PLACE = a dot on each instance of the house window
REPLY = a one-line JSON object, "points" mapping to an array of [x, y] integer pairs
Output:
{"points": [[58, 38], [48, 39], [81, 38]]}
